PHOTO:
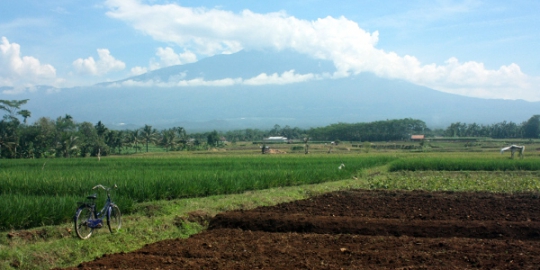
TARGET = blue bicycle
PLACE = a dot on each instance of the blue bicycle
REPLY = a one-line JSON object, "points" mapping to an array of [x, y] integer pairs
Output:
{"points": [[87, 219]]}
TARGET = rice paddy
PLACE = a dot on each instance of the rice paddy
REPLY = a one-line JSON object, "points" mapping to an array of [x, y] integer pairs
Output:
{"points": [[38, 192], [46, 192]]}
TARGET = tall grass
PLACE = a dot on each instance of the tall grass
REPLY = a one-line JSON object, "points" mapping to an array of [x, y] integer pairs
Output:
{"points": [[464, 164], [45, 192]]}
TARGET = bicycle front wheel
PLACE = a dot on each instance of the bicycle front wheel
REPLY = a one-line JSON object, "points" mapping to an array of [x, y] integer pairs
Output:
{"points": [[82, 219], [114, 220]]}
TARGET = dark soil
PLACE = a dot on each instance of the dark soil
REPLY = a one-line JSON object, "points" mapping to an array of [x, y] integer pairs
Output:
{"points": [[359, 230]]}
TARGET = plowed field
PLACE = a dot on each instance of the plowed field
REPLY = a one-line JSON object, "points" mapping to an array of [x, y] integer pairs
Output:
{"points": [[359, 229]]}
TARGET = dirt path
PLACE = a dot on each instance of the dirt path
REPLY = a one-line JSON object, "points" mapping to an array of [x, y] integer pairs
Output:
{"points": [[359, 230]]}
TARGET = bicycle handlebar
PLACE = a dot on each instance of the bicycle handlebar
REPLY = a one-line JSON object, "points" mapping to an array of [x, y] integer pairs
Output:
{"points": [[101, 186]]}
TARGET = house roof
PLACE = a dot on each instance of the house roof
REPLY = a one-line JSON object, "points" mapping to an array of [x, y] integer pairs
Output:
{"points": [[276, 138], [417, 137]]}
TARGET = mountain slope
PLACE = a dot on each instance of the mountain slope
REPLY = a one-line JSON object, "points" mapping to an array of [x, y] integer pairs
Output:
{"points": [[244, 64], [360, 98]]}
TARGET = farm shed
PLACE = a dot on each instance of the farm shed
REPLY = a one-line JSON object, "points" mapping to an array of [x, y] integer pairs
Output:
{"points": [[417, 137], [276, 139]]}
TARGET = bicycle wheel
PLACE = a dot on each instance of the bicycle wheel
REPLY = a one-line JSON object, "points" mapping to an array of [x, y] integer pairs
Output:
{"points": [[83, 215], [114, 220]]}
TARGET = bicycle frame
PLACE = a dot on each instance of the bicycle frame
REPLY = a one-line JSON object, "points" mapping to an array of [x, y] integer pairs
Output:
{"points": [[84, 225], [106, 208]]}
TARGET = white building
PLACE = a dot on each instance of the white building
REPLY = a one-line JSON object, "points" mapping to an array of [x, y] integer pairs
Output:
{"points": [[276, 139]]}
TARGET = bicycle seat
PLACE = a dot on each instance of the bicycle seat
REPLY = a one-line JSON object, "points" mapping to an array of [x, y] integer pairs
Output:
{"points": [[92, 197]]}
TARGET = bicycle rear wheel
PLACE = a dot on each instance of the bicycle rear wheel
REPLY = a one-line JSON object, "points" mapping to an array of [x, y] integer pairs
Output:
{"points": [[82, 218], [114, 220]]}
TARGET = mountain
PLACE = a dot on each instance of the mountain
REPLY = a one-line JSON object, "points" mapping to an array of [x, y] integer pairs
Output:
{"points": [[244, 64], [318, 102]]}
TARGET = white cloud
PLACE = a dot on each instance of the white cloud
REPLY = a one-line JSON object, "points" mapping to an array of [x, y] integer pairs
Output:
{"points": [[138, 70], [261, 79], [106, 63], [21, 71], [202, 82], [167, 57], [352, 49], [285, 78]]}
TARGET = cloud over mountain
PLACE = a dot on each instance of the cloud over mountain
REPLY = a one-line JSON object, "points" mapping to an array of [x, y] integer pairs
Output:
{"points": [[352, 50], [17, 70], [285, 87], [105, 64]]}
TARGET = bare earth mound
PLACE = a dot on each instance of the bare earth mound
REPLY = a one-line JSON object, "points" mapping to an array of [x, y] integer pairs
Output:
{"points": [[359, 230]]}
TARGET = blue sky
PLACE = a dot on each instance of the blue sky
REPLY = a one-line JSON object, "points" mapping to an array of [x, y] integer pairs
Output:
{"points": [[486, 49]]}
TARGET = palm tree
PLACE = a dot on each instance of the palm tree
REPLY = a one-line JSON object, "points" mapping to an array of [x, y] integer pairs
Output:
{"points": [[148, 135], [65, 124], [169, 139], [25, 114], [181, 132], [6, 142], [133, 138], [10, 106], [101, 129], [68, 144]]}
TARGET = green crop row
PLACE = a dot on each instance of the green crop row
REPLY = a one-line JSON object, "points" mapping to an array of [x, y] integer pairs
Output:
{"points": [[464, 164], [45, 192], [499, 182], [23, 211]]}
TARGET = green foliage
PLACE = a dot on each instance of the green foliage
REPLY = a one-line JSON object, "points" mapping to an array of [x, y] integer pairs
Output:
{"points": [[148, 135], [64, 137], [297, 148], [498, 130], [213, 138], [11, 107], [531, 129], [367, 147], [399, 129]]}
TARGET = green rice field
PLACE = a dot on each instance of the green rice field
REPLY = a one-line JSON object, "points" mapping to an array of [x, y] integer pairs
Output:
{"points": [[39, 192], [38, 197], [46, 192]]}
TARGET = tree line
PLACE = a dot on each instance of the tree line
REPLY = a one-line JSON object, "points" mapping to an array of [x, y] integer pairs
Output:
{"points": [[529, 129], [388, 130], [63, 137]]}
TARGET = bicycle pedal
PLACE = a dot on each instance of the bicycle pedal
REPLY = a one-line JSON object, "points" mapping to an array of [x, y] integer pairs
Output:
{"points": [[95, 223]]}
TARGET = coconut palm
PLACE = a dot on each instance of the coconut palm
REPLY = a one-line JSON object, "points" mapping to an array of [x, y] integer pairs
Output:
{"points": [[169, 139], [134, 138], [68, 144], [148, 135]]}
